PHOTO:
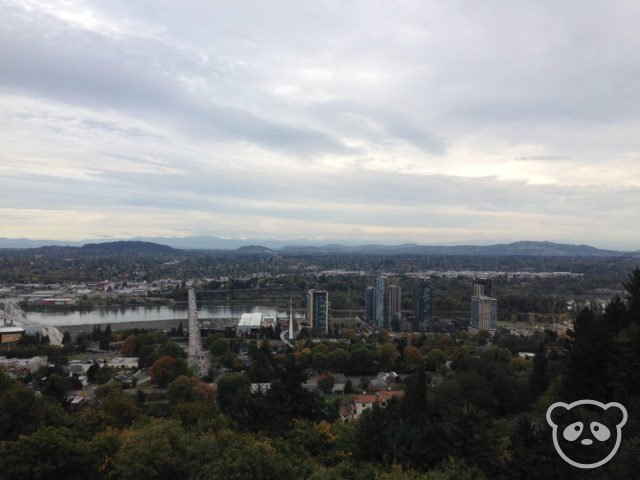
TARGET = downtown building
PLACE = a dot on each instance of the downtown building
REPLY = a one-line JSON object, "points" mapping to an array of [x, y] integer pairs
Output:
{"points": [[394, 306], [370, 305], [318, 310], [422, 306], [382, 304], [380, 290], [484, 307]]}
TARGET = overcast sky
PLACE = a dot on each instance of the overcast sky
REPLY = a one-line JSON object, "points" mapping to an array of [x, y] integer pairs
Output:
{"points": [[390, 121]]}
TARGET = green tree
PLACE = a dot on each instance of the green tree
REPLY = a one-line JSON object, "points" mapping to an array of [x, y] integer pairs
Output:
{"points": [[154, 450], [632, 286], [219, 347], [48, 453], [539, 380], [173, 350], [325, 382], [471, 434], [435, 359], [361, 361], [590, 359], [234, 396], [228, 455], [57, 387], [339, 360], [92, 371], [21, 412], [320, 361]]}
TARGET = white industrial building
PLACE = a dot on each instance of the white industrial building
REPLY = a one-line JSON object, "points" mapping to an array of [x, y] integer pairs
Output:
{"points": [[252, 322]]}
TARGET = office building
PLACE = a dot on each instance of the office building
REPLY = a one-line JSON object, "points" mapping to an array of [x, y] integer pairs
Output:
{"points": [[318, 310], [484, 307], [369, 305], [482, 286], [484, 314], [394, 306], [381, 287], [423, 305]]}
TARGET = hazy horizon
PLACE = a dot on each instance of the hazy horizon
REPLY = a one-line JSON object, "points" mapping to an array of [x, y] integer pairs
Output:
{"points": [[414, 122], [232, 243]]}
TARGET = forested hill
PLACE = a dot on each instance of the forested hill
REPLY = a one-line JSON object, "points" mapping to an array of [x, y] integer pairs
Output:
{"points": [[104, 249], [127, 247]]}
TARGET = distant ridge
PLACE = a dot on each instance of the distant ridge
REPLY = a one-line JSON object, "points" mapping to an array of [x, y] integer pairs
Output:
{"points": [[306, 247], [256, 250], [127, 247], [107, 248], [523, 248]]}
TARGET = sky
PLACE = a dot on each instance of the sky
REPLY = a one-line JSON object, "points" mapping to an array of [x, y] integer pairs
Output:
{"points": [[434, 122]]}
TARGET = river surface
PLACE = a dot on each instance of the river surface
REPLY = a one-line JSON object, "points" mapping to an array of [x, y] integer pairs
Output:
{"points": [[145, 314]]}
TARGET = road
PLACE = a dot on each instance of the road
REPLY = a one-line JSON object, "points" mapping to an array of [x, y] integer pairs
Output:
{"points": [[283, 336]]}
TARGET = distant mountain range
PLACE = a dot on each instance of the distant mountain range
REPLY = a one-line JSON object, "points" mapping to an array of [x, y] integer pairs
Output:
{"points": [[547, 249], [305, 247]]}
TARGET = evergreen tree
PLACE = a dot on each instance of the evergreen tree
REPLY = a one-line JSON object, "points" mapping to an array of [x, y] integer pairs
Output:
{"points": [[633, 296], [590, 360], [539, 380]]}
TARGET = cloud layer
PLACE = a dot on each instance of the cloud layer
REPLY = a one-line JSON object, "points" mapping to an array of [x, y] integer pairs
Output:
{"points": [[431, 122]]}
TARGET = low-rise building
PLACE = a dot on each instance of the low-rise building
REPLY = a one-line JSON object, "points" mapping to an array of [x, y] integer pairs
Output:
{"points": [[363, 402], [21, 367], [10, 335], [383, 381], [124, 362], [260, 387]]}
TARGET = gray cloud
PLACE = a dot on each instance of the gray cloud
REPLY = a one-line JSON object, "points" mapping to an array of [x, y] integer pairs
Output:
{"points": [[387, 118], [543, 158]]}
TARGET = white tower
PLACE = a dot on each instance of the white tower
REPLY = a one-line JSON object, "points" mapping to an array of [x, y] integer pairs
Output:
{"points": [[290, 318]]}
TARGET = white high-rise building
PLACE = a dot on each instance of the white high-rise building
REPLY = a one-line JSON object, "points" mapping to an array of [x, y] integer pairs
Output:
{"points": [[381, 286], [484, 313]]}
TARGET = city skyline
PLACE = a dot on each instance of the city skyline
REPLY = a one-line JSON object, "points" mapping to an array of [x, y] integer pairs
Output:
{"points": [[432, 123]]}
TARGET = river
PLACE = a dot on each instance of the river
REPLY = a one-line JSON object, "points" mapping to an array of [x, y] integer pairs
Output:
{"points": [[132, 315]]}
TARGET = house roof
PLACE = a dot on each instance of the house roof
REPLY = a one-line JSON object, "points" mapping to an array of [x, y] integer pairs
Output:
{"points": [[364, 398], [389, 394], [11, 330]]}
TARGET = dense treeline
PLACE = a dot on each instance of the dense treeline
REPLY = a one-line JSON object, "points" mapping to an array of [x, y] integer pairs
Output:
{"points": [[58, 265], [484, 419]]}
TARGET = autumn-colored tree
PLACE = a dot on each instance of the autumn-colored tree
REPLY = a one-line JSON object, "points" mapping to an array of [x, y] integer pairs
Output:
{"points": [[188, 389], [412, 356], [166, 368], [129, 346], [387, 355]]}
